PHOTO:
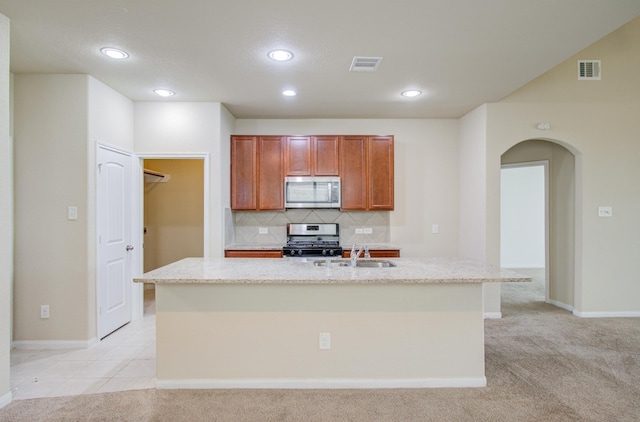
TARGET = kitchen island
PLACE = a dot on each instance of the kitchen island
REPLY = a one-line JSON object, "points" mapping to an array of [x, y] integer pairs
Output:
{"points": [[287, 323]]}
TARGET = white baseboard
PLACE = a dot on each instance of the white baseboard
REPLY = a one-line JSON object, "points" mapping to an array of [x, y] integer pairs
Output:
{"points": [[5, 400], [321, 383], [624, 314], [54, 344], [492, 315], [560, 305]]}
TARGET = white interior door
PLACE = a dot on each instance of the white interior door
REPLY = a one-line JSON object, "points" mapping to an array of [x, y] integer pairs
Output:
{"points": [[114, 199]]}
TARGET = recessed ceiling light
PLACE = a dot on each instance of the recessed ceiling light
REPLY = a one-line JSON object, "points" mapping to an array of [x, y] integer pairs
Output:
{"points": [[280, 55], [114, 53], [164, 92], [289, 93], [411, 93]]}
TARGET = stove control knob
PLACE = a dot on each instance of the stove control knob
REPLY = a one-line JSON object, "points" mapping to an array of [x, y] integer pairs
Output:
{"points": [[300, 252], [324, 252], [332, 252]]}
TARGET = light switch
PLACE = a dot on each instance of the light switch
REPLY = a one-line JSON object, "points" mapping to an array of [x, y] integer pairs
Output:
{"points": [[72, 213], [605, 211], [435, 229]]}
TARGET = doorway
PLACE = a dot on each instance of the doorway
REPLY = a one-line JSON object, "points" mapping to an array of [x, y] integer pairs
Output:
{"points": [[560, 260], [173, 216], [524, 226]]}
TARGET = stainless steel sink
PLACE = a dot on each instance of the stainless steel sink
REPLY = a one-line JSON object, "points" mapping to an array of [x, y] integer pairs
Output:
{"points": [[374, 263], [365, 263], [332, 262]]}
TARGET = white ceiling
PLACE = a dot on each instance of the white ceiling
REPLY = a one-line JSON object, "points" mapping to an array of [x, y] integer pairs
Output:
{"points": [[461, 53]]}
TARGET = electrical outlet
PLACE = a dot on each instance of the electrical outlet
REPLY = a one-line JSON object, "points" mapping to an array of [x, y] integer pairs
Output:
{"points": [[368, 230], [325, 341], [359, 230], [44, 311], [263, 230]]}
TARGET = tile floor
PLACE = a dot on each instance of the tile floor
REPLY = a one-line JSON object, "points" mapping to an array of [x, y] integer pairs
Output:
{"points": [[125, 360]]}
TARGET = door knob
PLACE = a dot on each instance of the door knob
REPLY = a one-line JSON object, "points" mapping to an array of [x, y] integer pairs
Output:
{"points": [[129, 248]]}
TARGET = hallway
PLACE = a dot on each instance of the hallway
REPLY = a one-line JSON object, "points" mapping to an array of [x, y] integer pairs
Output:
{"points": [[124, 360]]}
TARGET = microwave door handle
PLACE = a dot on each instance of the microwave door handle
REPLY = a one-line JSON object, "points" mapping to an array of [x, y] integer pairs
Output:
{"points": [[329, 191]]}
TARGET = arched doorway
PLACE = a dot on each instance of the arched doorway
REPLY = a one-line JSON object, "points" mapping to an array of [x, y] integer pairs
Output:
{"points": [[561, 218]]}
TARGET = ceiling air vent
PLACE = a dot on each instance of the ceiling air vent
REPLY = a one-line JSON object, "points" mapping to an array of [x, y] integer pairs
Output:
{"points": [[365, 64], [589, 70]]}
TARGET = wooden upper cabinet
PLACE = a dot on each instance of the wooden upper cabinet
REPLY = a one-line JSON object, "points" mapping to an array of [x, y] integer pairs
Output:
{"points": [[257, 180], [353, 172], [325, 156], [312, 156], [381, 172], [298, 156], [260, 163], [244, 173], [270, 173], [367, 173]]}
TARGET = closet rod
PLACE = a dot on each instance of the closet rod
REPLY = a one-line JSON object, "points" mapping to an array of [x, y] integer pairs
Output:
{"points": [[153, 173]]}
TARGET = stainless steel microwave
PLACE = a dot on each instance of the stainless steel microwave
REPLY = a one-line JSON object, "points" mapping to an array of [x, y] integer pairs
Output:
{"points": [[312, 192]]}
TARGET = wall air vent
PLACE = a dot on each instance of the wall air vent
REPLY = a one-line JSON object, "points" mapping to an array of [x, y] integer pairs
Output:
{"points": [[365, 64], [589, 70]]}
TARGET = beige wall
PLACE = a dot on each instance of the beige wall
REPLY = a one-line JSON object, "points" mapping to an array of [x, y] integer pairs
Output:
{"points": [[58, 121], [163, 129], [472, 188], [598, 122], [426, 174], [561, 216], [6, 213], [174, 212], [51, 253]]}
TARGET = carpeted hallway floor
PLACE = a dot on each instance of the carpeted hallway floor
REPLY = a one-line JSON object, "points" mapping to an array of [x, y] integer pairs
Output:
{"points": [[542, 364]]}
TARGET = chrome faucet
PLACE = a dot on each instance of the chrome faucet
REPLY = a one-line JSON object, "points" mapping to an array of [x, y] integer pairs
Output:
{"points": [[356, 254]]}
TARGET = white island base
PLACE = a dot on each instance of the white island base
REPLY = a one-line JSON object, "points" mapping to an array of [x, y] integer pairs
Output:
{"points": [[267, 335]]}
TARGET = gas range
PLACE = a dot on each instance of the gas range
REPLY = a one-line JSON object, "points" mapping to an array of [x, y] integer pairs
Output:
{"points": [[322, 239]]}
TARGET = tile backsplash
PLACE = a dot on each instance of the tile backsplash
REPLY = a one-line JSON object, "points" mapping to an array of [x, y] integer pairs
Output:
{"points": [[243, 228]]}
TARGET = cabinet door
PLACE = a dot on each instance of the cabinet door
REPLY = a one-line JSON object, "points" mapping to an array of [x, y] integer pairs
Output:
{"points": [[243, 253], [298, 152], [375, 253], [271, 175], [325, 156], [380, 174], [244, 176], [353, 172]]}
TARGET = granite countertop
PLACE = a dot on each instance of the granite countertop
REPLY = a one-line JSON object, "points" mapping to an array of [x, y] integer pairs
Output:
{"points": [[303, 271], [238, 247]]}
